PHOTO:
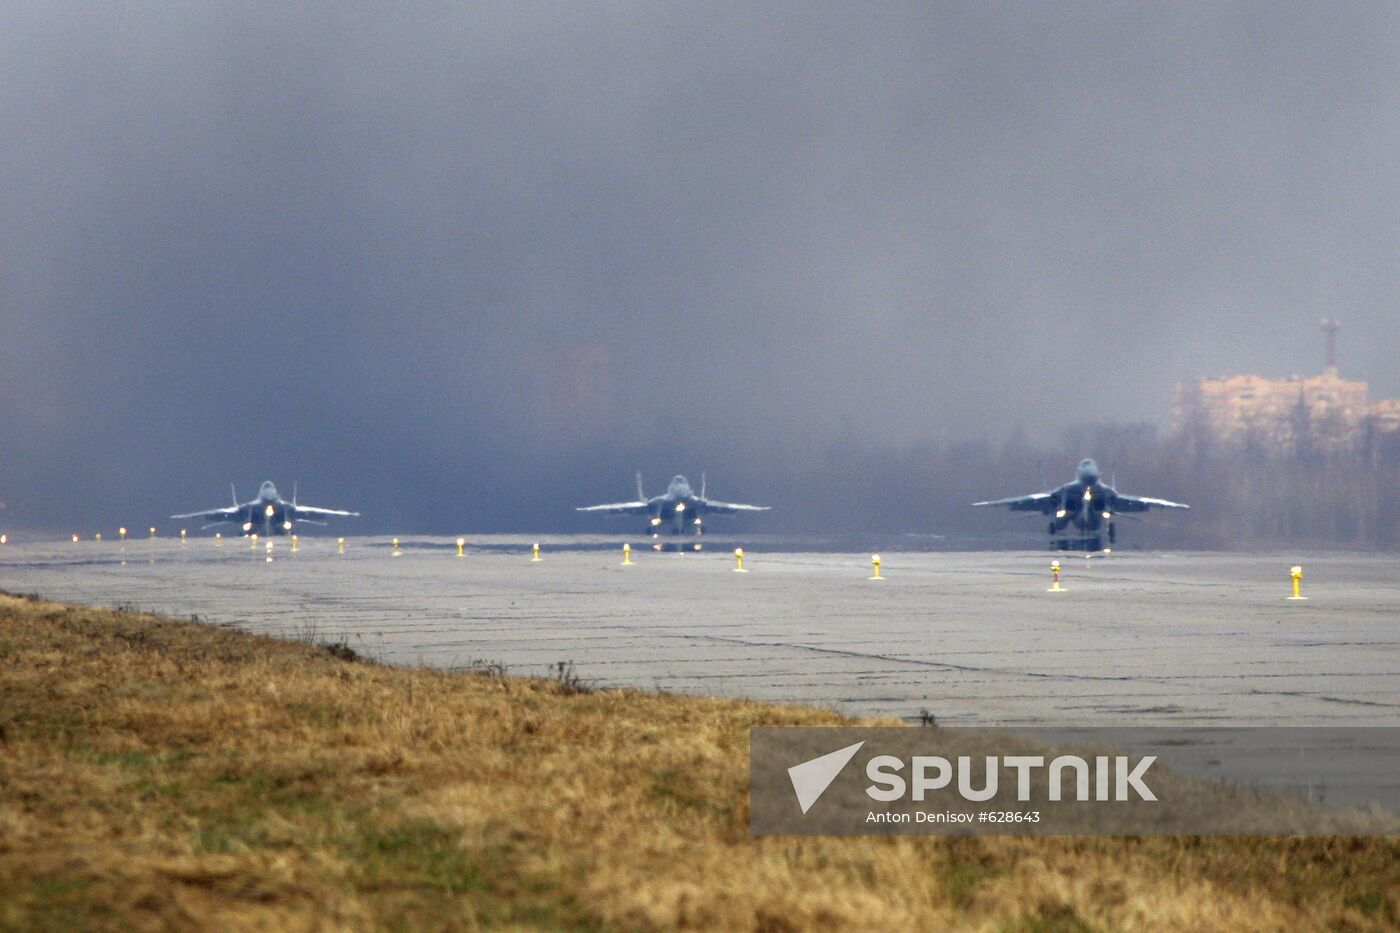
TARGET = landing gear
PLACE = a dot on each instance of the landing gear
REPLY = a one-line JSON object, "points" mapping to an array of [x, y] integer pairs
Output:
{"points": [[1089, 543]]}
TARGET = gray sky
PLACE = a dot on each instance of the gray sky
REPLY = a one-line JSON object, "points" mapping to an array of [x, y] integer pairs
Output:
{"points": [[417, 257]]}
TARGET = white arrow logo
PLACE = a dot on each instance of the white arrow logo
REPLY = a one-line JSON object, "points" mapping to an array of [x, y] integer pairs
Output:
{"points": [[811, 778]]}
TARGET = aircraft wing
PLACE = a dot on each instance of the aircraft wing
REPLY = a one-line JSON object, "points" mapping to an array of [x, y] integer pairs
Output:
{"points": [[230, 514], [729, 508], [1124, 503], [1035, 502], [304, 512], [619, 508]]}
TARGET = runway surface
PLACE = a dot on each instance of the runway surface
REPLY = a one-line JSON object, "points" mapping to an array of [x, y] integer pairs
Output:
{"points": [[971, 637]]}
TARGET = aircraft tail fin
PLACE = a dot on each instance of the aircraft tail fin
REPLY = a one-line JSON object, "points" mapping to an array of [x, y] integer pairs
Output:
{"points": [[294, 493], [702, 484], [233, 492], [641, 496]]}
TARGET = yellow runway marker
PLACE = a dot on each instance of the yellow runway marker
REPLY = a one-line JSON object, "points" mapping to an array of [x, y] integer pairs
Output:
{"points": [[1296, 572]]}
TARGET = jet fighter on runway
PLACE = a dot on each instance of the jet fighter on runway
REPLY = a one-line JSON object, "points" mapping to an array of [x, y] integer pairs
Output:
{"points": [[1087, 504], [677, 507], [268, 514]]}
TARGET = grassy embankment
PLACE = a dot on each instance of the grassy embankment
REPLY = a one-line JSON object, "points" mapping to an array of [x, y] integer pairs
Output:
{"points": [[164, 774]]}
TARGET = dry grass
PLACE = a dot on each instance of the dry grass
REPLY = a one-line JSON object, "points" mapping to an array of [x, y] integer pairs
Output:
{"points": [[157, 774]]}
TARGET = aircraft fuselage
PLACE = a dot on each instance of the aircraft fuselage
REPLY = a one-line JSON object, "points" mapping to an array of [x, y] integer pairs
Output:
{"points": [[678, 509]]}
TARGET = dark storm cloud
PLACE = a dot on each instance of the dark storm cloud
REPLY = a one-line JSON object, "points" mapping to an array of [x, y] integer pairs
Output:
{"points": [[418, 258]]}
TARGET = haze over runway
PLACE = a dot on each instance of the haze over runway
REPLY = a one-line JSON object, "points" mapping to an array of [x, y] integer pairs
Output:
{"points": [[471, 265], [1138, 638]]}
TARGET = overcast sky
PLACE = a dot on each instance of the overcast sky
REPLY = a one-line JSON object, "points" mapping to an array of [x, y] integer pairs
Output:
{"points": [[426, 259]]}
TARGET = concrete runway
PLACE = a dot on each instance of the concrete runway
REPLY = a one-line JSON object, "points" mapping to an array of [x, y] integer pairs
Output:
{"points": [[973, 637]]}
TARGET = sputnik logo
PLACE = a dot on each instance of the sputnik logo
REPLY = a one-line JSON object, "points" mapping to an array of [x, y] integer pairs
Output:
{"points": [[811, 778]]}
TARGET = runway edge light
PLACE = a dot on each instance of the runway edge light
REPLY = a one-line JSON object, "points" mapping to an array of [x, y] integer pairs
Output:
{"points": [[461, 545], [739, 560], [537, 553], [340, 545], [396, 552], [1296, 573], [1055, 575], [875, 562], [627, 555]]}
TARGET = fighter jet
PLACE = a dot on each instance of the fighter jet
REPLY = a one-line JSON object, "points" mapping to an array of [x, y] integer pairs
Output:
{"points": [[1087, 504], [674, 510], [268, 514]]}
